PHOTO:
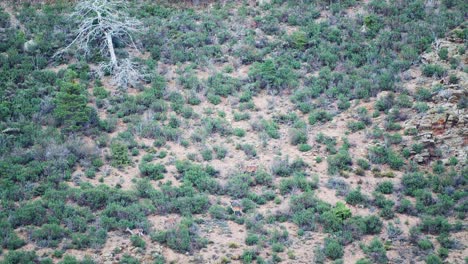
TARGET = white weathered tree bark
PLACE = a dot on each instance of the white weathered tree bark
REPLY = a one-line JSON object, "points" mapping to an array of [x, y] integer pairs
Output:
{"points": [[100, 21], [110, 45]]}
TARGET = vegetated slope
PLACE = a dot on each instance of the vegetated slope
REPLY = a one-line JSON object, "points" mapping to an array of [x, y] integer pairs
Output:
{"points": [[309, 132]]}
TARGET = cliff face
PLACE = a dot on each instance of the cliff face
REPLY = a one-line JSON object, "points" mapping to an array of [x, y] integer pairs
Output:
{"points": [[442, 129]]}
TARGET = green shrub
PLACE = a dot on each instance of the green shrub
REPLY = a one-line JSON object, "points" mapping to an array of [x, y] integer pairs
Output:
{"points": [[405, 207], [356, 126], [433, 259], [214, 98], [218, 212], [304, 147], [95, 198], [413, 181], [248, 256], [438, 167], [320, 116], [263, 178], [277, 247], [271, 128], [49, 235], [119, 154], [384, 155], [363, 164], [299, 40], [207, 154], [297, 136], [363, 261], [436, 225], [443, 252], [238, 185], [238, 132], [152, 171], [305, 219], [338, 162], [272, 75], [443, 53], [30, 213], [8, 238], [423, 94], [222, 85], [355, 197], [220, 152], [251, 239], [71, 109], [385, 187], [404, 101], [248, 149], [373, 225], [127, 259], [433, 70], [182, 238], [387, 212], [425, 244], [376, 251], [239, 116], [100, 93], [20, 257], [201, 178], [333, 249], [137, 241], [341, 211], [394, 139]]}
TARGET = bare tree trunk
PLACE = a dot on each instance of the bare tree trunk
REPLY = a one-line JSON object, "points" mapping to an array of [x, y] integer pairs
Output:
{"points": [[101, 21], [110, 45]]}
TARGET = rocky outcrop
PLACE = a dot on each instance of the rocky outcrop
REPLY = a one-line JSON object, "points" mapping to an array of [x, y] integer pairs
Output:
{"points": [[443, 129]]}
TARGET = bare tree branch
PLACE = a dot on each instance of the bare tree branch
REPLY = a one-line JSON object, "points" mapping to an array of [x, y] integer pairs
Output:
{"points": [[100, 22]]}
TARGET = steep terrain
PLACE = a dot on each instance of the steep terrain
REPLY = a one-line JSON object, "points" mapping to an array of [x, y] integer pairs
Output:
{"points": [[262, 132]]}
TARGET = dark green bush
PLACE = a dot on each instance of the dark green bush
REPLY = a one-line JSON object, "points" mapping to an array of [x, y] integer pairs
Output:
{"points": [[433, 70], [413, 181], [320, 116], [182, 238], [31, 213], [272, 75], [355, 197], [443, 53], [218, 212], [222, 85], [376, 251], [20, 257], [338, 162], [152, 171], [251, 239], [373, 225], [137, 241], [238, 185], [49, 235], [423, 94], [271, 128], [425, 244], [436, 225], [356, 126], [8, 238], [119, 153], [333, 249], [433, 259], [385, 187]]}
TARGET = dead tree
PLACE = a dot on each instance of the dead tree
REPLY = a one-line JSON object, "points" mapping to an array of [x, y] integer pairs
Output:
{"points": [[101, 22]]}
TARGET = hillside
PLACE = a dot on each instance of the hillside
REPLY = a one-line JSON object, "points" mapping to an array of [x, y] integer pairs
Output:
{"points": [[233, 132]]}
